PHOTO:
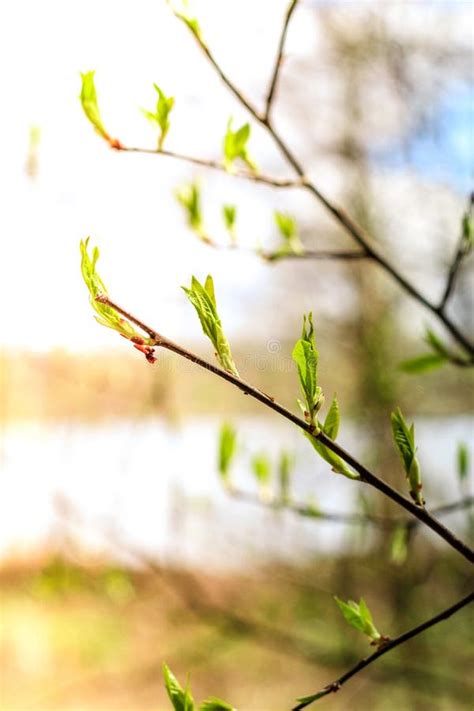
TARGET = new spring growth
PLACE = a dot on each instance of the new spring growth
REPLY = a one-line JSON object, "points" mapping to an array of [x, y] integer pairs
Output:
{"points": [[90, 105], [106, 315], [189, 197], [261, 468], [181, 10], [358, 615], [288, 230], [160, 117], [285, 466], [404, 438], [330, 427], [229, 214], [226, 453], [204, 301], [182, 700], [235, 147], [306, 357]]}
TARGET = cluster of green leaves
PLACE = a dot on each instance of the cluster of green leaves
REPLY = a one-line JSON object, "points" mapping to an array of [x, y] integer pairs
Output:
{"points": [[189, 196], [229, 214], [160, 116], [182, 700], [289, 232], [235, 147], [90, 104], [105, 315], [204, 301], [404, 438], [359, 616], [226, 453]]}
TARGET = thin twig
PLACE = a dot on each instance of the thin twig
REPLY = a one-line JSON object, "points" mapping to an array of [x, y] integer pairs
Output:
{"points": [[279, 59], [355, 230], [308, 511], [462, 251], [336, 685], [365, 475]]}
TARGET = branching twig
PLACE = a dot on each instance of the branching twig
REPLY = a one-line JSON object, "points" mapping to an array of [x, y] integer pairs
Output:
{"points": [[462, 251], [279, 59], [355, 230], [365, 475], [415, 631]]}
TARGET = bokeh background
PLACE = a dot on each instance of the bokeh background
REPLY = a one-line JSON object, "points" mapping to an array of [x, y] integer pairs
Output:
{"points": [[119, 549]]}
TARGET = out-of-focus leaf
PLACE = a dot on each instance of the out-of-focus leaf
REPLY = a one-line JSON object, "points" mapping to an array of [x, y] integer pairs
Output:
{"points": [[189, 197], [180, 698], [463, 461], [423, 363], [216, 705], [90, 104], [229, 213], [289, 232], [262, 471], [285, 466], [160, 116], [204, 301], [227, 449], [399, 545], [235, 147]]}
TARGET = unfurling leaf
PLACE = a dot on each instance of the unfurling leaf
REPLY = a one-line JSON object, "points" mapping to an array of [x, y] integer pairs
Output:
{"points": [[216, 705], [180, 698], [160, 116], [404, 438], [106, 315], [306, 357], [262, 471], [229, 213], [423, 363], [332, 421], [181, 10], [463, 462], [337, 464], [399, 544], [235, 147], [285, 466], [289, 231], [204, 301], [227, 448], [189, 196], [359, 617], [90, 106]]}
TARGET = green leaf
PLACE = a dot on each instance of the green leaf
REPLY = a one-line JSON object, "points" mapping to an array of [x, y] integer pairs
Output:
{"points": [[285, 465], [399, 544], [227, 449], [467, 227], [215, 705], [261, 468], [189, 196], [404, 438], [437, 344], [204, 301], [306, 358], [229, 214], [423, 363], [463, 461], [312, 697], [179, 697], [359, 617], [235, 147], [182, 12], [106, 315], [161, 114], [333, 418], [288, 230], [90, 105], [337, 464]]}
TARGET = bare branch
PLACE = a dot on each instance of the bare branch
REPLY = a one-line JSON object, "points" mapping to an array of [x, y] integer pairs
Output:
{"points": [[365, 475], [463, 249], [279, 59], [414, 632]]}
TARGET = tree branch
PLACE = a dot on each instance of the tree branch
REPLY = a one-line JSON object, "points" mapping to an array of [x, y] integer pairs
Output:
{"points": [[336, 685], [365, 475], [355, 230], [279, 59], [463, 249]]}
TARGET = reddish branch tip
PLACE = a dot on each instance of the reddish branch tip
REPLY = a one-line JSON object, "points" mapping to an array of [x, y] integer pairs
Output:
{"points": [[101, 298], [115, 143]]}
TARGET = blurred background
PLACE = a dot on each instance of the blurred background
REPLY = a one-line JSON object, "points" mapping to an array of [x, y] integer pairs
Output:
{"points": [[119, 548]]}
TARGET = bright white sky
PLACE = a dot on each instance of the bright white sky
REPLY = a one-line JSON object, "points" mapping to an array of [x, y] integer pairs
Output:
{"points": [[124, 201]]}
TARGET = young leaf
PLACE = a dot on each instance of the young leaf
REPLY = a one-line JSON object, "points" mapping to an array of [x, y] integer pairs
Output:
{"points": [[182, 12], [337, 464], [467, 227], [204, 301], [179, 697], [404, 438], [399, 544], [227, 448], [437, 344], [359, 617], [423, 363], [463, 462], [189, 196], [235, 147], [312, 697], [161, 114], [289, 232], [106, 316], [90, 105], [306, 356], [285, 466], [333, 418], [216, 705], [262, 471], [229, 213]]}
